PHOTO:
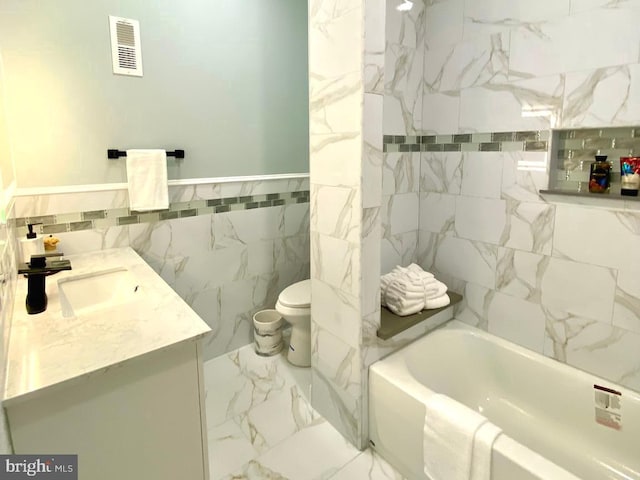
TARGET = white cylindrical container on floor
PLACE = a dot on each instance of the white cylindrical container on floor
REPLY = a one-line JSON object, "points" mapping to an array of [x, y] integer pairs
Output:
{"points": [[267, 332]]}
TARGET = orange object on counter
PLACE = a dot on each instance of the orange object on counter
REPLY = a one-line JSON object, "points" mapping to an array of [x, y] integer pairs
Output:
{"points": [[50, 243]]}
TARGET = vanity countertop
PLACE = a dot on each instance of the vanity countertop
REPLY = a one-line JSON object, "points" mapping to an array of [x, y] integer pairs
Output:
{"points": [[47, 349]]}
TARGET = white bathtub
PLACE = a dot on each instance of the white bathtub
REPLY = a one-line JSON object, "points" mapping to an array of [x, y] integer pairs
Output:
{"points": [[545, 409]]}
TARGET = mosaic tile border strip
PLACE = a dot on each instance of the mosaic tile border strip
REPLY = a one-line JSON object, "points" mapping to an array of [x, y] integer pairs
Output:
{"points": [[584, 144], [574, 151], [521, 141], [89, 220]]}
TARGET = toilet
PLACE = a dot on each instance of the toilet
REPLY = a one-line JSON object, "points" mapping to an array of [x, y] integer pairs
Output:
{"points": [[294, 304]]}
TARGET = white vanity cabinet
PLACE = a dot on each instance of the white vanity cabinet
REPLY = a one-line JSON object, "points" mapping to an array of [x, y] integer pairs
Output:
{"points": [[125, 391], [143, 419]]}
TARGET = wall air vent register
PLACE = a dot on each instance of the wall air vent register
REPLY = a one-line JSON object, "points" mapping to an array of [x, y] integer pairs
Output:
{"points": [[125, 46]]}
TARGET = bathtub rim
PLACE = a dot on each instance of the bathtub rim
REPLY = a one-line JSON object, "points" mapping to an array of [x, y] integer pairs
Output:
{"points": [[395, 371], [397, 358]]}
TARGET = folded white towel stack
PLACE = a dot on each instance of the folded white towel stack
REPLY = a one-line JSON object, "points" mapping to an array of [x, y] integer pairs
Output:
{"points": [[405, 295], [406, 291], [147, 179], [437, 302], [434, 289], [415, 268], [385, 280]]}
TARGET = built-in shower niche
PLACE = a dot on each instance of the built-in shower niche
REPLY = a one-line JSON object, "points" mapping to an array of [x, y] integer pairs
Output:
{"points": [[571, 152]]}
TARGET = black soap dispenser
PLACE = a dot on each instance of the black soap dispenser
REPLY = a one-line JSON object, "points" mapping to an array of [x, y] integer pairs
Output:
{"points": [[31, 245]]}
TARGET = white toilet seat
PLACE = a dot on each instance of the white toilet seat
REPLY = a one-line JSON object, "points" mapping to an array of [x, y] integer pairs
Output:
{"points": [[297, 295], [292, 311]]}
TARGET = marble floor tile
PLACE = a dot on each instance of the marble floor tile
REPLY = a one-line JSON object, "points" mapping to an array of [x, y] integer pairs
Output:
{"points": [[368, 465], [254, 470], [277, 419], [316, 452], [223, 388], [238, 381], [261, 425], [229, 449]]}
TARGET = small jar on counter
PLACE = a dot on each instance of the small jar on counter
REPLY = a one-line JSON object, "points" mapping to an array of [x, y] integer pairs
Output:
{"points": [[50, 244]]}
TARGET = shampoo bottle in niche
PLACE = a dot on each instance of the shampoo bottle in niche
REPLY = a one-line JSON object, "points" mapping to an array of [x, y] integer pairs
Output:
{"points": [[31, 245], [630, 176], [600, 175]]}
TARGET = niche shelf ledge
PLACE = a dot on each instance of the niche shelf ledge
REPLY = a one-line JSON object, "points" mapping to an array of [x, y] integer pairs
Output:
{"points": [[611, 200], [392, 324]]}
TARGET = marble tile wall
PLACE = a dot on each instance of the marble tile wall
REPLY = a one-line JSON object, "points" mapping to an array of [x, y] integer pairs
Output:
{"points": [[373, 179], [541, 275], [347, 87], [8, 270], [8, 279], [558, 278], [336, 76], [404, 67], [225, 265], [400, 209], [404, 53], [515, 65]]}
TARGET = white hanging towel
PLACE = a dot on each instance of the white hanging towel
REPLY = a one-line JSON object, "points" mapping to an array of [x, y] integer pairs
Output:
{"points": [[147, 177], [449, 431], [482, 447]]}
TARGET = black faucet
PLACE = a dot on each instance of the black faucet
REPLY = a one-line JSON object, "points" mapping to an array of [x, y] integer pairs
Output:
{"points": [[36, 271]]}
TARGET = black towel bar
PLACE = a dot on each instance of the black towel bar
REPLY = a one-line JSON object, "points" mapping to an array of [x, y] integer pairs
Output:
{"points": [[114, 153]]}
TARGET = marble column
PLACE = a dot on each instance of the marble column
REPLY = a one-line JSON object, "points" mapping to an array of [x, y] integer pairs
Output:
{"points": [[346, 64]]}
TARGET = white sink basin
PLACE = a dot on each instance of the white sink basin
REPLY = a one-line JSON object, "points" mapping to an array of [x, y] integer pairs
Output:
{"points": [[91, 292]]}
